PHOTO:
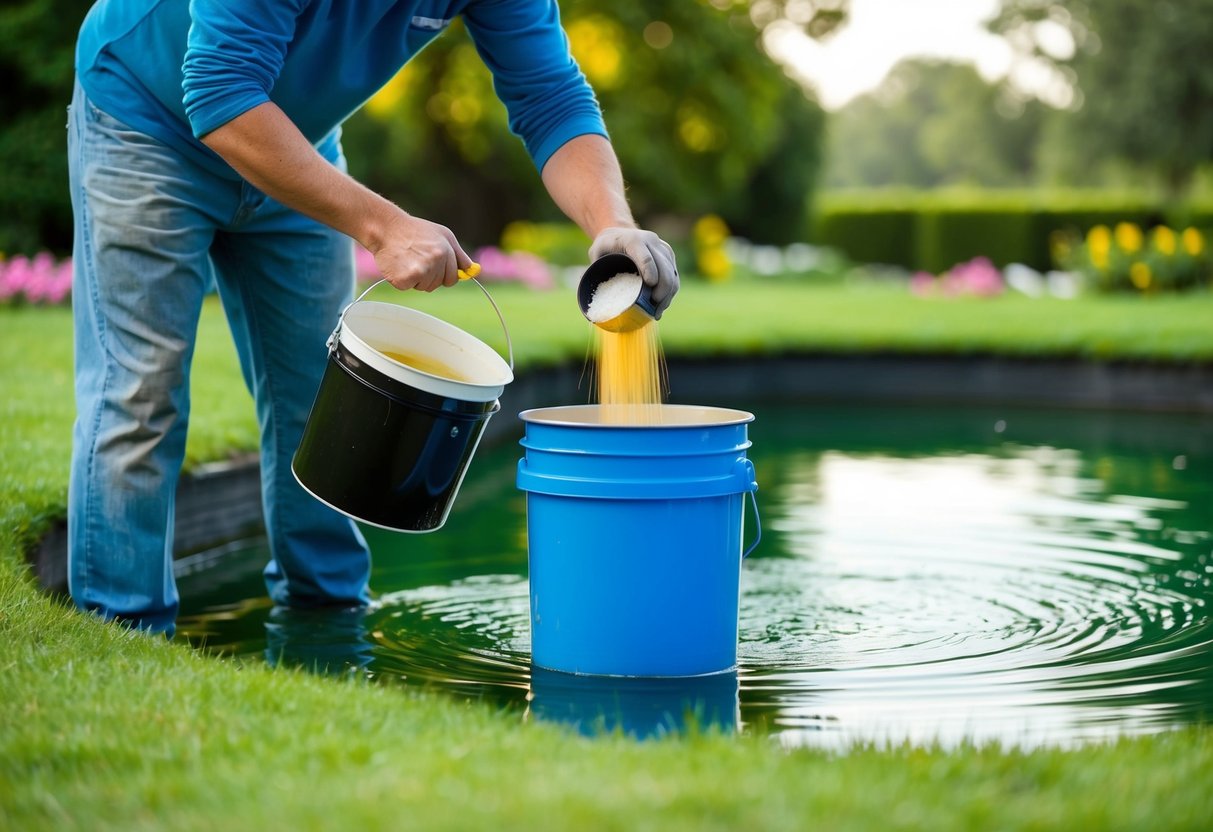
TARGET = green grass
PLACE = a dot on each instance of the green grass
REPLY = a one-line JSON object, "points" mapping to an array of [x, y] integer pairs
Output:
{"points": [[103, 729], [770, 317]]}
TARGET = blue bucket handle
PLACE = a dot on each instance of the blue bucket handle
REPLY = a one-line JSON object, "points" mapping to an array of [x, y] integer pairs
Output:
{"points": [[757, 527], [509, 344], [753, 488]]}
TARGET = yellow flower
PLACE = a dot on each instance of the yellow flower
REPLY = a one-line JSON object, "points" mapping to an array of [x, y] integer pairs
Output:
{"points": [[714, 264], [1099, 243], [710, 230], [1164, 240], [1194, 242], [1128, 237], [597, 43], [1140, 274]]}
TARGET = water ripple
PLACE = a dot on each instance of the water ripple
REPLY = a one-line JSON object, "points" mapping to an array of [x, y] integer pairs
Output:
{"points": [[1027, 589]]}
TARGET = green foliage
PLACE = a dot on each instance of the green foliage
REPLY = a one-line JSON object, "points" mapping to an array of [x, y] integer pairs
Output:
{"points": [[37, 43], [936, 230], [557, 243], [1141, 113], [867, 231], [817, 18], [945, 236], [702, 120], [933, 124], [773, 206], [1143, 78]]}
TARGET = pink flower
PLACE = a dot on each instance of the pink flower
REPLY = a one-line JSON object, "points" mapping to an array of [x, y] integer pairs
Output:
{"points": [[979, 277], [923, 284], [60, 285], [15, 277], [41, 274], [521, 266], [40, 280]]}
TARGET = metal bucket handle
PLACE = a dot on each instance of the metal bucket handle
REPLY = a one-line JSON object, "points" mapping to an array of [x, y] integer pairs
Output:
{"points": [[509, 344]]}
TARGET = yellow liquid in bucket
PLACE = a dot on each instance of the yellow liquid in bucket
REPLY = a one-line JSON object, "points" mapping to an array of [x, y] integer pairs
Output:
{"points": [[425, 364], [630, 375]]}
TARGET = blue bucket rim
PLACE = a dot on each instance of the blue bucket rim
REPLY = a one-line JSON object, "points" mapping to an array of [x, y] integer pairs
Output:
{"points": [[683, 416]]}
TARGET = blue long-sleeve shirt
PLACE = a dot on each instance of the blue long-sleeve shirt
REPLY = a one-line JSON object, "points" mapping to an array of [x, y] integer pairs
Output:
{"points": [[178, 69]]}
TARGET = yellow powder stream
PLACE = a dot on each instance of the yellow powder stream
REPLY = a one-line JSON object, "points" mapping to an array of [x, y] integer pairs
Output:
{"points": [[631, 375]]}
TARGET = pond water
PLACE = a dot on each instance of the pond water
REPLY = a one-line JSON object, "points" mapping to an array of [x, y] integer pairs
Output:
{"points": [[925, 574]]}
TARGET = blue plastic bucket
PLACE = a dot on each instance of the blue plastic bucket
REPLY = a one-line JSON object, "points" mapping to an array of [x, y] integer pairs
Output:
{"points": [[635, 539]]}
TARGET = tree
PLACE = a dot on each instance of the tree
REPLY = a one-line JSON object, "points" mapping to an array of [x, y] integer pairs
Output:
{"points": [[1141, 73], [817, 18], [934, 123]]}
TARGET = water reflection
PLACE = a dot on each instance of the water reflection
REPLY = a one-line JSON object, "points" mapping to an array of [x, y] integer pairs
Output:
{"points": [[926, 574], [329, 641], [642, 708]]}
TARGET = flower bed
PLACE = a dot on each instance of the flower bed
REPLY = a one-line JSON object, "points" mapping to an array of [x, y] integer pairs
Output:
{"points": [[38, 280]]}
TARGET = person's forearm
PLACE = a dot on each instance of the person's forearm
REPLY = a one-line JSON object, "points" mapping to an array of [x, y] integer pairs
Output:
{"points": [[584, 179], [290, 170], [585, 182], [267, 149]]}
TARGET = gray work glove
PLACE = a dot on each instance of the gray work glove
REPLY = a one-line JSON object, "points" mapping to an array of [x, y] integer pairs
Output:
{"points": [[652, 255]]}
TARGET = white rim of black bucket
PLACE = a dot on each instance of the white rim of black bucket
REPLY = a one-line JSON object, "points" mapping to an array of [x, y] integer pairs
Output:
{"points": [[484, 357], [589, 416]]}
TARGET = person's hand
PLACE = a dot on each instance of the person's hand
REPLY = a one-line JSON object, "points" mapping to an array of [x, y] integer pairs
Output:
{"points": [[652, 255], [419, 254]]}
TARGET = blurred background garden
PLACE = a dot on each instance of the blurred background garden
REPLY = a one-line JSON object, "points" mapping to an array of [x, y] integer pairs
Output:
{"points": [[1047, 148]]}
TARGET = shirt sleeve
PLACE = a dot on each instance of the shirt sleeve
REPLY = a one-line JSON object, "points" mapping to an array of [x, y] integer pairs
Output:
{"points": [[548, 98], [234, 53]]}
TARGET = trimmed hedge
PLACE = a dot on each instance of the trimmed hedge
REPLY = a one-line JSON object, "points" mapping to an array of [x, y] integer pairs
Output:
{"points": [[944, 237], [935, 231], [868, 234]]}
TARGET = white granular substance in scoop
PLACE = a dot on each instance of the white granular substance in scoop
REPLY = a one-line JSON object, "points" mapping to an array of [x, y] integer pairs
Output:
{"points": [[613, 297]]}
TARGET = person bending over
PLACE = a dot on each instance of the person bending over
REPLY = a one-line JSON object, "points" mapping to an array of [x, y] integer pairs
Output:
{"points": [[204, 149]]}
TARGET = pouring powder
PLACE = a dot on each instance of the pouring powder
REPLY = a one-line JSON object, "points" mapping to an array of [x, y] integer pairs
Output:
{"points": [[613, 296], [630, 372]]}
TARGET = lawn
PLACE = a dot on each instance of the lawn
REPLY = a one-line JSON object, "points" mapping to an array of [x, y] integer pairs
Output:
{"points": [[103, 729]]}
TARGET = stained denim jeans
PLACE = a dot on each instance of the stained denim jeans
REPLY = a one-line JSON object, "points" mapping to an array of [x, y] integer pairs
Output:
{"points": [[153, 232]]}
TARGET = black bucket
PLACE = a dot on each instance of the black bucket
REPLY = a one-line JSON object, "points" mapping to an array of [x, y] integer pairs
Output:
{"points": [[388, 443]]}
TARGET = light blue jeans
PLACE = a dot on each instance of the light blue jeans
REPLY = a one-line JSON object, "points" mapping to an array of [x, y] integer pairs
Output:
{"points": [[153, 231]]}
